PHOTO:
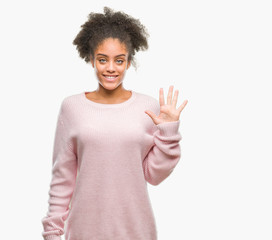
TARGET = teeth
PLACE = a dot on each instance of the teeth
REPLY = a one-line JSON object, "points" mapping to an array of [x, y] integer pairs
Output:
{"points": [[110, 77]]}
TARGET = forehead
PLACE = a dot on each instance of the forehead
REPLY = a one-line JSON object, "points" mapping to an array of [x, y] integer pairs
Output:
{"points": [[111, 47]]}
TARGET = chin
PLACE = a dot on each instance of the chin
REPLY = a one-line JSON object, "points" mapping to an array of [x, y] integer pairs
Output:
{"points": [[109, 86]]}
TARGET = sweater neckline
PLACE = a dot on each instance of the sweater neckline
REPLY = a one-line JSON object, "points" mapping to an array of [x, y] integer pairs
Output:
{"points": [[108, 105]]}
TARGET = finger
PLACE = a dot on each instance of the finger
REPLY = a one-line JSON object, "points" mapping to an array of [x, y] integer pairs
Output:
{"points": [[151, 114], [169, 96], [175, 99], [161, 97], [182, 106]]}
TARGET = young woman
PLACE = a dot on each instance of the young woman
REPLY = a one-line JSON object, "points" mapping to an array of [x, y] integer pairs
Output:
{"points": [[110, 142]]}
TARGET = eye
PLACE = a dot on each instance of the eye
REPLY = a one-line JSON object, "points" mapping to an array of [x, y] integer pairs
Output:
{"points": [[120, 61], [102, 59]]}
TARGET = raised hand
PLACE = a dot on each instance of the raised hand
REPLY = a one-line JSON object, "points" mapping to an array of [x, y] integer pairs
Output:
{"points": [[168, 111]]}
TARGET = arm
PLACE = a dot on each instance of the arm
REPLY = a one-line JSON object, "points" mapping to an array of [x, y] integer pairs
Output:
{"points": [[64, 170], [164, 155]]}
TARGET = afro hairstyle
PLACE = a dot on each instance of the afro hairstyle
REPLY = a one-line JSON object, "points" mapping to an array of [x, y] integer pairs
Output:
{"points": [[112, 24]]}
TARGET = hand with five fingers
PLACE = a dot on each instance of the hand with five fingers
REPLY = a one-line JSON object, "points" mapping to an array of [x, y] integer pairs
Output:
{"points": [[168, 111]]}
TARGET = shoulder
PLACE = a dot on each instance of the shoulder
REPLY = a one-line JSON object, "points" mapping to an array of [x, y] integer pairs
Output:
{"points": [[150, 102], [147, 98], [70, 98], [69, 102]]}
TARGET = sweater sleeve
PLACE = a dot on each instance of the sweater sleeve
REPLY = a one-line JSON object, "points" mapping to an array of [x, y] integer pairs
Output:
{"points": [[64, 170], [164, 154]]}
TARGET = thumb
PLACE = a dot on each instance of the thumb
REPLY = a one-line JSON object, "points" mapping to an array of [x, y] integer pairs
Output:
{"points": [[151, 114]]}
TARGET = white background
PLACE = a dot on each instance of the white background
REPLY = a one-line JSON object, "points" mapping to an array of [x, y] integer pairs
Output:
{"points": [[216, 53]]}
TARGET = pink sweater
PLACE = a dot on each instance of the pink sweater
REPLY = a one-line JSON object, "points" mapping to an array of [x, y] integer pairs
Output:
{"points": [[103, 157]]}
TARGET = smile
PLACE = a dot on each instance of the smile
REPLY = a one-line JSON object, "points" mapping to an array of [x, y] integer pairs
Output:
{"points": [[110, 77]]}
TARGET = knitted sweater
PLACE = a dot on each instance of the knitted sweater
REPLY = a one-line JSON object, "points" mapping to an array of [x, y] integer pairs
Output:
{"points": [[103, 157]]}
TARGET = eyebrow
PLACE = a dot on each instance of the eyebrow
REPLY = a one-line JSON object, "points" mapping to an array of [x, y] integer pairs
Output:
{"points": [[107, 56]]}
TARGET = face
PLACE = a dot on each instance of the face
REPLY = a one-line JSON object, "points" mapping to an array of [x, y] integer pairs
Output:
{"points": [[110, 63]]}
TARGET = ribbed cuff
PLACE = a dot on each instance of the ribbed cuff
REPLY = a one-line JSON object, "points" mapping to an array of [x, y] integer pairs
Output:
{"points": [[168, 128], [52, 237]]}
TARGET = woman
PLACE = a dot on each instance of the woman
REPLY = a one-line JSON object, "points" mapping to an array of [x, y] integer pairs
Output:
{"points": [[110, 142]]}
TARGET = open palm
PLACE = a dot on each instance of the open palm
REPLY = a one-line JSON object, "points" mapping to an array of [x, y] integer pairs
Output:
{"points": [[168, 111]]}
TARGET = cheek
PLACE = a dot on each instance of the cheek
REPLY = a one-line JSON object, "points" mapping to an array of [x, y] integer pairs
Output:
{"points": [[99, 68], [122, 69]]}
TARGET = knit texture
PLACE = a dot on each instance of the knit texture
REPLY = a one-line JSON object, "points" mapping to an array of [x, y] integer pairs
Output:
{"points": [[103, 157]]}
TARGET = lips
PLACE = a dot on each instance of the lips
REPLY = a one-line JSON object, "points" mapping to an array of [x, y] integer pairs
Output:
{"points": [[110, 77]]}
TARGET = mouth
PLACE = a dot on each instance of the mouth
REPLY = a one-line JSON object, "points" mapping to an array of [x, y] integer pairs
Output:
{"points": [[110, 77]]}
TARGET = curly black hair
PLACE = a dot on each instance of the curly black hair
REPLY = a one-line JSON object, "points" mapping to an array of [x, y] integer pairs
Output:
{"points": [[111, 24]]}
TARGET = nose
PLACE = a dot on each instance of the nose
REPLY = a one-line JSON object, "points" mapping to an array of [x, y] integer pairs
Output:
{"points": [[110, 67]]}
